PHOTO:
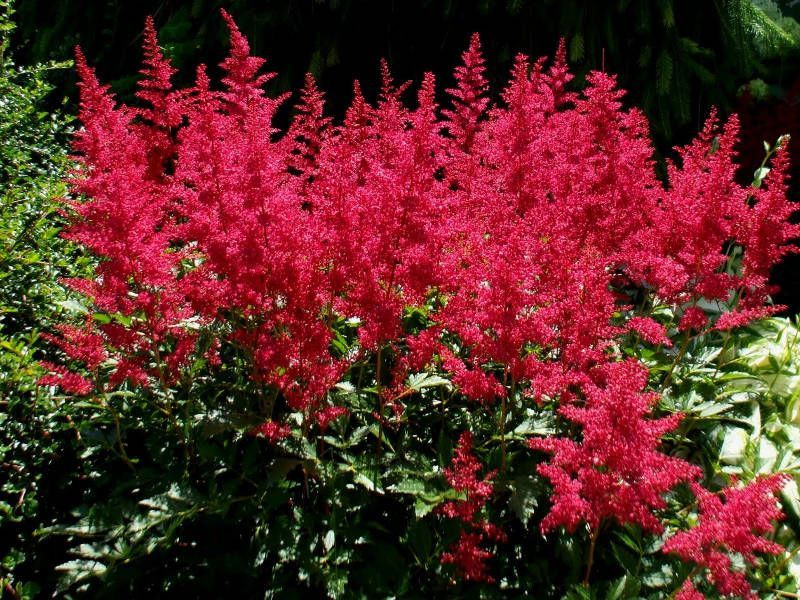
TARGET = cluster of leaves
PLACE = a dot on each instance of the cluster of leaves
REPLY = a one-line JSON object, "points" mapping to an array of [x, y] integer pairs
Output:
{"points": [[334, 519], [285, 335]]}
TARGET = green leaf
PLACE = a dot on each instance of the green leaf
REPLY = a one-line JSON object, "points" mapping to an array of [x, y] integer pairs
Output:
{"points": [[617, 588], [413, 487], [734, 446], [420, 381], [420, 540], [329, 540], [759, 175], [422, 507], [73, 306], [525, 495]]}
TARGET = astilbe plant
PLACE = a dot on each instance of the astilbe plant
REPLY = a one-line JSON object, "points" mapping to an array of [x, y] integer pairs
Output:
{"points": [[520, 227]]}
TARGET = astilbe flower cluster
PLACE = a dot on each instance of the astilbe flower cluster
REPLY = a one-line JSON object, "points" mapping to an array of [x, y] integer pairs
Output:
{"points": [[615, 470], [462, 475], [733, 527], [514, 223]]}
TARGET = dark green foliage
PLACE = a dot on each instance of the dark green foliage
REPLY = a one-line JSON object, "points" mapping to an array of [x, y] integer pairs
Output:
{"points": [[32, 258], [676, 58], [167, 494]]}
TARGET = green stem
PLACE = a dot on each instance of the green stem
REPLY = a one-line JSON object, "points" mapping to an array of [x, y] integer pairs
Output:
{"points": [[503, 434], [121, 445]]}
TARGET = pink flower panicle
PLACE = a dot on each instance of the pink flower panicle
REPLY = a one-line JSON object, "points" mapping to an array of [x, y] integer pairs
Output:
{"points": [[469, 557], [616, 471], [650, 330], [469, 97], [689, 592], [326, 416], [462, 475], [69, 382], [731, 523], [81, 344], [693, 319], [308, 129], [739, 318]]}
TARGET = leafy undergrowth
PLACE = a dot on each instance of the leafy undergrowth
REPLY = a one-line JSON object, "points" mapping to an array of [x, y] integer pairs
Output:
{"points": [[334, 516]]}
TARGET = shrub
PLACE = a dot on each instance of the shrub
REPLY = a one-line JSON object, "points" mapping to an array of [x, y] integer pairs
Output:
{"points": [[357, 296], [33, 432]]}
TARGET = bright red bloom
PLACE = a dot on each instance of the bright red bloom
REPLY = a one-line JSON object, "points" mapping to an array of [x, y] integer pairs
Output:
{"points": [[651, 331], [327, 415], [203, 213], [693, 319], [510, 224], [80, 344], [69, 382], [736, 526], [469, 557], [616, 471], [462, 475], [738, 318], [689, 592], [469, 96]]}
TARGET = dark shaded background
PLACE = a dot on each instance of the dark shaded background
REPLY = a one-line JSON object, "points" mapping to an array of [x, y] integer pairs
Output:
{"points": [[677, 58]]}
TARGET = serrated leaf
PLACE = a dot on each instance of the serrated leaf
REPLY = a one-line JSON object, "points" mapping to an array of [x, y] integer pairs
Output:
{"points": [[422, 507], [367, 482], [524, 498], [413, 487]]}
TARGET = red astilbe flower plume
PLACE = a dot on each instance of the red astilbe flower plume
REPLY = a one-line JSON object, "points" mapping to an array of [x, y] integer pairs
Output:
{"points": [[616, 471], [649, 330], [124, 220], [733, 522], [683, 250], [765, 232], [69, 382], [377, 195], [161, 113], [462, 475], [469, 96], [81, 344], [190, 206], [689, 592], [470, 558], [308, 129]]}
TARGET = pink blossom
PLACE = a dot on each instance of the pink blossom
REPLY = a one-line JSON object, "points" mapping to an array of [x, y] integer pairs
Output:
{"points": [[735, 526]]}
